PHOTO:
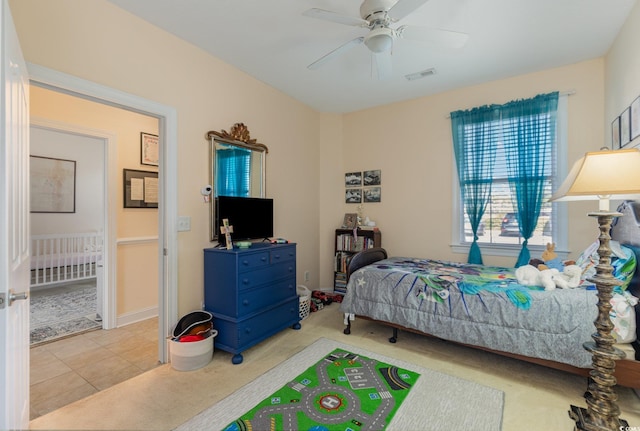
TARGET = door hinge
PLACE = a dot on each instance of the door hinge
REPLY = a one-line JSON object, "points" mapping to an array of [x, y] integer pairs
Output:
{"points": [[3, 298]]}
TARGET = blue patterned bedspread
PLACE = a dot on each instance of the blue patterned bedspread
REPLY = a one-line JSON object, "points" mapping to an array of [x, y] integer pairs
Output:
{"points": [[475, 304]]}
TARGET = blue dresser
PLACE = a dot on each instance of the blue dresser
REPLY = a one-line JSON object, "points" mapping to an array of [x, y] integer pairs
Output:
{"points": [[251, 293]]}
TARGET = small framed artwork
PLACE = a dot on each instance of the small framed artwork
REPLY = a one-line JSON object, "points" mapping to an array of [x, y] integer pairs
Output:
{"points": [[625, 127], [635, 118], [350, 221], [615, 134], [140, 189], [353, 179], [353, 196], [372, 194], [53, 185], [148, 149], [372, 178]]}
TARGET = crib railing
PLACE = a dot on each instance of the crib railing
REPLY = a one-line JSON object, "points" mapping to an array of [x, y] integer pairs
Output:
{"points": [[62, 258]]}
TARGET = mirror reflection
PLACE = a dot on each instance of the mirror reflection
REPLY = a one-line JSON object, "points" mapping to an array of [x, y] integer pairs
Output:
{"points": [[237, 167]]}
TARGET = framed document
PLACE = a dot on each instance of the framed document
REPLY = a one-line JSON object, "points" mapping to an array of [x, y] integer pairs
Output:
{"points": [[148, 149], [140, 189]]}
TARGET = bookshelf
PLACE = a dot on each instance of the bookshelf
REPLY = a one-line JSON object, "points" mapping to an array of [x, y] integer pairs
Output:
{"points": [[348, 242]]}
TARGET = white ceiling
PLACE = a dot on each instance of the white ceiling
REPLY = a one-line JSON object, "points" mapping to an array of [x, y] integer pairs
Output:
{"points": [[272, 41]]}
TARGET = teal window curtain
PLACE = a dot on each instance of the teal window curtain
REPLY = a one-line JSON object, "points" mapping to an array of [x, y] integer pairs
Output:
{"points": [[233, 176], [475, 146], [529, 136]]}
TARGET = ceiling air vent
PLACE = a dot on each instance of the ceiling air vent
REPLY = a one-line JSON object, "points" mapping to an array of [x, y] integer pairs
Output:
{"points": [[420, 75]]}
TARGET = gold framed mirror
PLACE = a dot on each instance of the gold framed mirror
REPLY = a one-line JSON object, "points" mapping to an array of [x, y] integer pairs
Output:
{"points": [[236, 167]]}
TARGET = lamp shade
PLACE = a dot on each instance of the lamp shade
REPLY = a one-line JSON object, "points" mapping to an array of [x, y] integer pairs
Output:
{"points": [[601, 175]]}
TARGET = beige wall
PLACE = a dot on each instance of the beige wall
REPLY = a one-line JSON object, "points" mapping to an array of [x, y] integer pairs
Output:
{"points": [[309, 151], [99, 42], [411, 143], [622, 71]]}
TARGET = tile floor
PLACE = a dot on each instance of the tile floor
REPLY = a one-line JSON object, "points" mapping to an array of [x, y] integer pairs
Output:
{"points": [[73, 368], [536, 398]]}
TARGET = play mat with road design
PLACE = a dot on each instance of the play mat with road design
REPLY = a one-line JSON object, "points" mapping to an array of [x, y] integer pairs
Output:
{"points": [[344, 391]]}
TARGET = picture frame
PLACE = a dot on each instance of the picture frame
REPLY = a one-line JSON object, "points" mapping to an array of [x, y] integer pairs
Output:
{"points": [[635, 118], [625, 127], [350, 221], [140, 189], [353, 179], [615, 133], [353, 196], [52, 185], [372, 178], [372, 194], [149, 151]]}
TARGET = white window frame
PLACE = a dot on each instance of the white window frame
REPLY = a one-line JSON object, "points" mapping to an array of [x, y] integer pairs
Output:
{"points": [[559, 210]]}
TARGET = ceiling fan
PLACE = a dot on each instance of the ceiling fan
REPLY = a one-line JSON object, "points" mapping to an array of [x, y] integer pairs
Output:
{"points": [[377, 16]]}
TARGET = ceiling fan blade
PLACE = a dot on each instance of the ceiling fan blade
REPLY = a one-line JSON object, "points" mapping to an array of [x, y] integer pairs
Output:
{"points": [[383, 64], [335, 17], [335, 53], [403, 8], [435, 36]]}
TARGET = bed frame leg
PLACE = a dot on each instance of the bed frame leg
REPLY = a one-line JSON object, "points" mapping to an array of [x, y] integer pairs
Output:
{"points": [[347, 330], [394, 338]]}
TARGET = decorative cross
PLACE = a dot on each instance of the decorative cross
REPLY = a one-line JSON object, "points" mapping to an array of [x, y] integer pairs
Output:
{"points": [[227, 230]]}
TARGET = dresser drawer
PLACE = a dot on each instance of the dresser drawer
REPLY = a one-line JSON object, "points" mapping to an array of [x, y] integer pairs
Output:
{"points": [[250, 301], [283, 255], [236, 335], [250, 262], [274, 272]]}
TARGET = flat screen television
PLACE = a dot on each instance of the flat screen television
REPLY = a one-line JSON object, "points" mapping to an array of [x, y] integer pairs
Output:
{"points": [[251, 218]]}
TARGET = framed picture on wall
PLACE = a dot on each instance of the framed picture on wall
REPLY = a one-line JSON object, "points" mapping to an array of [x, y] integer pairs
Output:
{"points": [[625, 127], [353, 196], [353, 179], [149, 149], [53, 185], [140, 189], [635, 118], [615, 134]]}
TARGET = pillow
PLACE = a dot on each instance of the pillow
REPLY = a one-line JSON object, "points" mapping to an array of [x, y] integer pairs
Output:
{"points": [[623, 260]]}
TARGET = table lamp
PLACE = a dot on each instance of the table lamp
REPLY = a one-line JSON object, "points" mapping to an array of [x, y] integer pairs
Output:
{"points": [[602, 175]]}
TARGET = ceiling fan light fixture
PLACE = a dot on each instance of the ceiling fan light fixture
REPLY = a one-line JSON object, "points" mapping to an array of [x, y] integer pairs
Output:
{"points": [[379, 40]]}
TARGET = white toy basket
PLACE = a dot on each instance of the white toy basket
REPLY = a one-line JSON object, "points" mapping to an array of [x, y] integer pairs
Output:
{"points": [[305, 301]]}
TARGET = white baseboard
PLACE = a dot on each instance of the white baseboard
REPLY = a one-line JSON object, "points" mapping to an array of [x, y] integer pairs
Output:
{"points": [[136, 316]]}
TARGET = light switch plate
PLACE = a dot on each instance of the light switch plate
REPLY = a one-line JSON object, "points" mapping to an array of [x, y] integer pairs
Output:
{"points": [[184, 223]]}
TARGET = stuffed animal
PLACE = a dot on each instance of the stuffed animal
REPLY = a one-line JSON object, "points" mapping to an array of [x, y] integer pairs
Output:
{"points": [[529, 275], [569, 277], [551, 259]]}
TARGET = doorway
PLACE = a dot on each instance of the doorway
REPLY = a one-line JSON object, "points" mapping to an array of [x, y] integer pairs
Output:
{"points": [[165, 118]]}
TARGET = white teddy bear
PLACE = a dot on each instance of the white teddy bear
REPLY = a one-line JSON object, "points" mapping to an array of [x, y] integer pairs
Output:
{"points": [[569, 277], [529, 275]]}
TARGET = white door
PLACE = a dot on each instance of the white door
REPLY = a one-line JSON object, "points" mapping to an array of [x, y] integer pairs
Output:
{"points": [[14, 230]]}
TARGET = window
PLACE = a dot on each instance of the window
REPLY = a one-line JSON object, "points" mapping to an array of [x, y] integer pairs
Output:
{"points": [[488, 150]]}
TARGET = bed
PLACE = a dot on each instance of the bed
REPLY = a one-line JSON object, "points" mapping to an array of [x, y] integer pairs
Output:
{"points": [[64, 258], [485, 307]]}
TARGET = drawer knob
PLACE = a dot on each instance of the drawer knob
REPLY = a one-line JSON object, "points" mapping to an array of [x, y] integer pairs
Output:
{"points": [[245, 281], [247, 330], [264, 258], [245, 302], [245, 262]]}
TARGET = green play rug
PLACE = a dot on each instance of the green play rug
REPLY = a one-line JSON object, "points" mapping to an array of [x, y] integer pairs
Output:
{"points": [[342, 391]]}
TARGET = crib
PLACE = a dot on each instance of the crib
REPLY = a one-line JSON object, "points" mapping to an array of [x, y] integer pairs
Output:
{"points": [[63, 258]]}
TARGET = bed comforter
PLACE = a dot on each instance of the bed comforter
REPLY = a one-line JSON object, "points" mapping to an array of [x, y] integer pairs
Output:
{"points": [[477, 305]]}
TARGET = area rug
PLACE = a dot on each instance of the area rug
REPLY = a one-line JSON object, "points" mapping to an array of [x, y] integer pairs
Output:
{"points": [[435, 402], [60, 312]]}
